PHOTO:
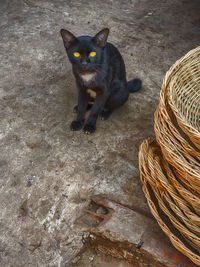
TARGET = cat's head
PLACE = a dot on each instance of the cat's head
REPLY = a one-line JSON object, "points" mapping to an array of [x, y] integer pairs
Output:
{"points": [[85, 52]]}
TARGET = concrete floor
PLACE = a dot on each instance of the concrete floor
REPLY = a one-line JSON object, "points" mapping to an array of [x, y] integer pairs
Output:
{"points": [[48, 172]]}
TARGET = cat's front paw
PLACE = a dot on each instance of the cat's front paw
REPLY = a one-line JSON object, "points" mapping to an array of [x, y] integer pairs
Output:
{"points": [[76, 125], [89, 128]]}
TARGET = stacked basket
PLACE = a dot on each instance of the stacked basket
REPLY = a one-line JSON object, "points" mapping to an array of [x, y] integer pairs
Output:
{"points": [[170, 167]]}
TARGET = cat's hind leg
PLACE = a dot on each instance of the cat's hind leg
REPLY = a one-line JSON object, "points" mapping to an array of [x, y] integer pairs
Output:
{"points": [[119, 95], [105, 114]]}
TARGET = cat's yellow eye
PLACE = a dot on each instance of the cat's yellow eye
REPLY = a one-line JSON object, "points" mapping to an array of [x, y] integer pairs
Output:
{"points": [[76, 54], [92, 54]]}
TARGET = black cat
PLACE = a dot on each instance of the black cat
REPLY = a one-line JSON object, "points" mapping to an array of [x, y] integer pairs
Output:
{"points": [[100, 76]]}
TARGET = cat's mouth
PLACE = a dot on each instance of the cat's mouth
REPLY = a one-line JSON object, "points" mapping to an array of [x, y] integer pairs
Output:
{"points": [[86, 68]]}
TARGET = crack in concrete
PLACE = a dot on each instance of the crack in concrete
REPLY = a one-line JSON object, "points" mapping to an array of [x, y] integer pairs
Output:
{"points": [[140, 244]]}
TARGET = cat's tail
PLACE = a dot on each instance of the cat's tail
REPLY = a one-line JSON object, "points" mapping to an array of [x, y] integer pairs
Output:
{"points": [[134, 85]]}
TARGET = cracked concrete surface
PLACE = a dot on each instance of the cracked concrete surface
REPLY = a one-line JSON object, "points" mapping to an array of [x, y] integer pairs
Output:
{"points": [[47, 172]]}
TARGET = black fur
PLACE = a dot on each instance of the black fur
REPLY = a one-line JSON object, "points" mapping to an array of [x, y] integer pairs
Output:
{"points": [[109, 80]]}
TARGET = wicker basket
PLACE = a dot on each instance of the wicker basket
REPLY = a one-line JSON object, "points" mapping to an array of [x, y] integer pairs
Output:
{"points": [[183, 85], [177, 148], [174, 214], [170, 170], [169, 117], [178, 151]]}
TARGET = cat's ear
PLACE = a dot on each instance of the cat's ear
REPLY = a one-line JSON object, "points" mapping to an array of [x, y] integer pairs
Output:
{"points": [[101, 37], [68, 37]]}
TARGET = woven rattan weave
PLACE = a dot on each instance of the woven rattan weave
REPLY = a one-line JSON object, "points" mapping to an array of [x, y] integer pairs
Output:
{"points": [[174, 214], [183, 86]]}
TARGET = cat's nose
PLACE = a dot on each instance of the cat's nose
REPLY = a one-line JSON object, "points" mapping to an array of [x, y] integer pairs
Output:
{"points": [[84, 62]]}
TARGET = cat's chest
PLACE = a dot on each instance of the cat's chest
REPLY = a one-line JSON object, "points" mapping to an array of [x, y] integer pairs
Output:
{"points": [[89, 80], [92, 93], [88, 77]]}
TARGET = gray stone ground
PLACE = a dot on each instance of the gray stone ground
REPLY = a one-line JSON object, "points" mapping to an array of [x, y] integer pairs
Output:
{"points": [[37, 95]]}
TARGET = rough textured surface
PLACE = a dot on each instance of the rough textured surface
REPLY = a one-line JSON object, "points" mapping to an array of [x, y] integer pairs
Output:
{"points": [[99, 259], [47, 172], [131, 237]]}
